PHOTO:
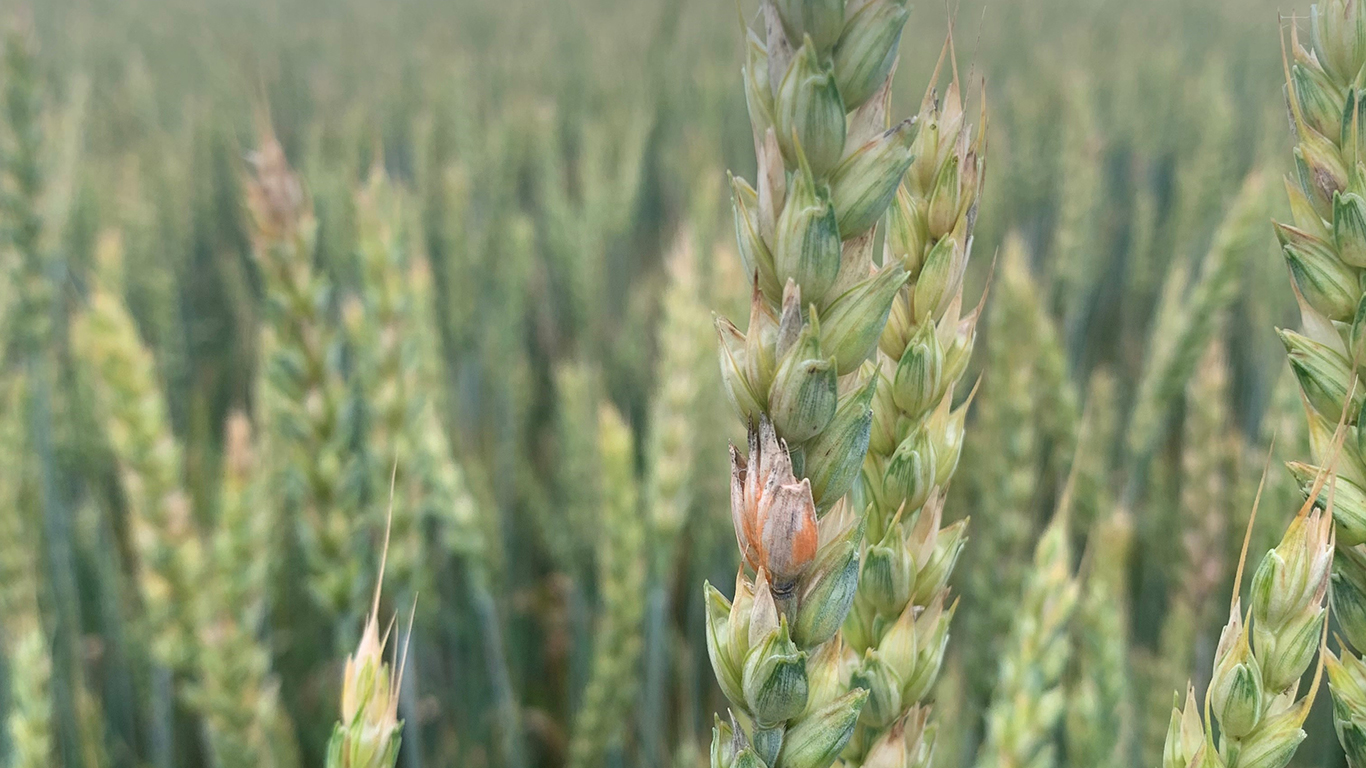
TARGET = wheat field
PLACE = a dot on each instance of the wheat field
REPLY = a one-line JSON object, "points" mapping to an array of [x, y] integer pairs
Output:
{"points": [[771, 384]]}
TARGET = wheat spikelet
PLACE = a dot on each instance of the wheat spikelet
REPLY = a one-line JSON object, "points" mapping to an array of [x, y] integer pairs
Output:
{"points": [[369, 731]]}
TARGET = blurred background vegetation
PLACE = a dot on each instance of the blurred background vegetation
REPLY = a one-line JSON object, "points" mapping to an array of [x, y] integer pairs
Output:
{"points": [[522, 220]]}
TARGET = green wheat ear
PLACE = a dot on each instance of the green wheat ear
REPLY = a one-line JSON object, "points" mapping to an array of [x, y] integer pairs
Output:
{"points": [[600, 722], [1208, 457], [29, 720], [1325, 249], [1099, 725], [675, 432], [846, 376], [1006, 451], [369, 732], [204, 605], [1254, 690], [236, 689], [303, 393], [171, 560], [1099, 721], [1029, 700], [1186, 316]]}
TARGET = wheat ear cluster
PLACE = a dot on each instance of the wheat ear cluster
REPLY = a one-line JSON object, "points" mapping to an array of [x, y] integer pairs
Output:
{"points": [[204, 603], [1325, 250], [831, 167]]}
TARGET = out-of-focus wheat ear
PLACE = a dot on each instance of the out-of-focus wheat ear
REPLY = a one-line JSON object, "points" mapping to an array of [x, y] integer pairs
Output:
{"points": [[1185, 319], [236, 689], [133, 408], [1005, 450], [1099, 724], [604, 713], [1029, 701], [1076, 263], [307, 410], [1201, 538], [29, 720], [1094, 458], [682, 344]]}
